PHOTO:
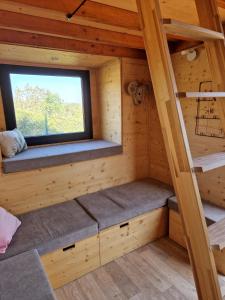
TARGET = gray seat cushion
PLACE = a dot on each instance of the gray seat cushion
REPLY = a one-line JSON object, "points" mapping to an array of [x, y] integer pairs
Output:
{"points": [[118, 204], [23, 278], [213, 213], [51, 228]]}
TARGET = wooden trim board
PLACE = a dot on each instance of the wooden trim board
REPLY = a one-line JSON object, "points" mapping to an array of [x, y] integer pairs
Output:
{"points": [[191, 31], [200, 94]]}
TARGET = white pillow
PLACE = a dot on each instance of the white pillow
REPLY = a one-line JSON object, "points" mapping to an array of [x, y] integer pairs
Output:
{"points": [[12, 142]]}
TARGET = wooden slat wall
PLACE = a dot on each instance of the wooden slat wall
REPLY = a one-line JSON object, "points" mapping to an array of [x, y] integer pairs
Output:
{"points": [[189, 75], [136, 128], [25, 191], [109, 85]]}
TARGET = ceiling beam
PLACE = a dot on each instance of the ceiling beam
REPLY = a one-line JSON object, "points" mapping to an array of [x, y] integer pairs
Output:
{"points": [[14, 37], [131, 4], [35, 24], [13, 6], [91, 11]]}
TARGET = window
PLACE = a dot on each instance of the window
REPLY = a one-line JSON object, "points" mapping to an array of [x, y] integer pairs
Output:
{"points": [[47, 105]]}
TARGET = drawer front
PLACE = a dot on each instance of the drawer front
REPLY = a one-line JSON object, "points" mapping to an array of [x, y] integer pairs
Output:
{"points": [[73, 261], [125, 237]]}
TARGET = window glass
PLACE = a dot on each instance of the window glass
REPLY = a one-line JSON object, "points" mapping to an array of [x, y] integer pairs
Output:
{"points": [[46, 105]]}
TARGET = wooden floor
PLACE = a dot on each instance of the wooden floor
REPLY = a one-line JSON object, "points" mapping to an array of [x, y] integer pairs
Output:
{"points": [[158, 271]]}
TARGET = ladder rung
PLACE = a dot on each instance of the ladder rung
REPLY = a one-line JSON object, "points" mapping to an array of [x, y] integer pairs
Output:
{"points": [[200, 94], [209, 162], [191, 31], [217, 235]]}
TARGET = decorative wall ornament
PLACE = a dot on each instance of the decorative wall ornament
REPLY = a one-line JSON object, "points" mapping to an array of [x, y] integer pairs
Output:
{"points": [[138, 91], [208, 122]]}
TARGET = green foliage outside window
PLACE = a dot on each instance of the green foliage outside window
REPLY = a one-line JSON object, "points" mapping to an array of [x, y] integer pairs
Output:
{"points": [[42, 112]]}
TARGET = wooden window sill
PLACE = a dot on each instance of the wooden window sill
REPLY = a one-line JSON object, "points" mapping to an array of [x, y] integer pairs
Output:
{"points": [[55, 155]]}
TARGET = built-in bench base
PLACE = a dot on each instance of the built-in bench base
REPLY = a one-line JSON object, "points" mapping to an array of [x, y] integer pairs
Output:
{"points": [[78, 236], [176, 233], [65, 265], [125, 237], [73, 261]]}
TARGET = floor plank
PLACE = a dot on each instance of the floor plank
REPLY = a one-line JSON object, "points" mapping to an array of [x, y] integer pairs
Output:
{"points": [[158, 271]]}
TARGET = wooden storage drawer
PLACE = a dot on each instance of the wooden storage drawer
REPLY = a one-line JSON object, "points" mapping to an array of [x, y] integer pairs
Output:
{"points": [[176, 233], [125, 237], [65, 265]]}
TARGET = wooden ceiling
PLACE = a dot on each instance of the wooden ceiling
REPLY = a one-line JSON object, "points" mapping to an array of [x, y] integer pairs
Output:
{"points": [[103, 27]]}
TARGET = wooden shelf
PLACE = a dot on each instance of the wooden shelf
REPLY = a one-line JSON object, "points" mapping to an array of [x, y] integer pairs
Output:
{"points": [[200, 94], [217, 235], [209, 162], [191, 31]]}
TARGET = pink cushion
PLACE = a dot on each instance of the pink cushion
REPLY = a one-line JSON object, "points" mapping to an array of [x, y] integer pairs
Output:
{"points": [[8, 226]]}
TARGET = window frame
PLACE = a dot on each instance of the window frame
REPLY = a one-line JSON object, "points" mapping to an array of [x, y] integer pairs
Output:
{"points": [[9, 110]]}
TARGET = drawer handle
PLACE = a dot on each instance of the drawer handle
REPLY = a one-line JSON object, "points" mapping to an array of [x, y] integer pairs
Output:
{"points": [[124, 225], [69, 248]]}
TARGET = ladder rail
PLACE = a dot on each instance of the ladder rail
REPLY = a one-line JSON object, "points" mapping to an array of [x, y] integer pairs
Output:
{"points": [[178, 151]]}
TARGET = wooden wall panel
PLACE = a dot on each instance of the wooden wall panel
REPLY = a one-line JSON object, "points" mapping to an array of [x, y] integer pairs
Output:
{"points": [[188, 76], [95, 105], [109, 92], [21, 192], [136, 130]]}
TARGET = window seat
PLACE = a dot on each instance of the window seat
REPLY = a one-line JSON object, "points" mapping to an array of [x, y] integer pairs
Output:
{"points": [[54, 155]]}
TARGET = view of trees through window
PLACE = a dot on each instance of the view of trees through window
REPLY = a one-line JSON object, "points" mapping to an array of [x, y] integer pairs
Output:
{"points": [[46, 105]]}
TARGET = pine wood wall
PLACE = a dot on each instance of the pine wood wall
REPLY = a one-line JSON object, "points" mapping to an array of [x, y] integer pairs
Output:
{"points": [[140, 132], [25, 191]]}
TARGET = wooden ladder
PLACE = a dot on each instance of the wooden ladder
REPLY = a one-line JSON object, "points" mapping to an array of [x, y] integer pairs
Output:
{"points": [[179, 156]]}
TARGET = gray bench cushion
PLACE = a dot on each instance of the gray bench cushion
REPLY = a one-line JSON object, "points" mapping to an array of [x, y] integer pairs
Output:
{"points": [[51, 228], [213, 213], [118, 204], [23, 278], [54, 155]]}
